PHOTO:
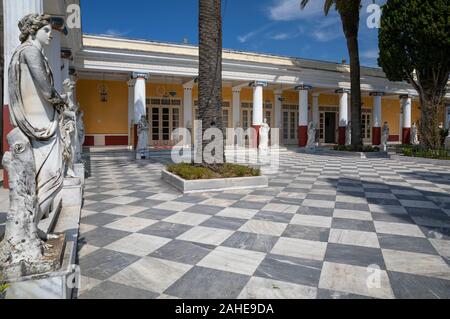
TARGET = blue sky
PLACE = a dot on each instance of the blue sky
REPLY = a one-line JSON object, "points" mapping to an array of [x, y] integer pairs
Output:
{"points": [[265, 26]]}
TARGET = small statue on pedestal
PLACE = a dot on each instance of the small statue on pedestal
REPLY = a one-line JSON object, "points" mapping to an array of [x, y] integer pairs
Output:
{"points": [[264, 136], [142, 130], [414, 139], [81, 134], [385, 136], [348, 134], [69, 128], [311, 144]]}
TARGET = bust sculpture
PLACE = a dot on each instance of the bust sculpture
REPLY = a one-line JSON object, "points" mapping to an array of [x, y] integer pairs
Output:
{"points": [[414, 139], [142, 130], [35, 163], [311, 135], [348, 134], [385, 136], [264, 136]]}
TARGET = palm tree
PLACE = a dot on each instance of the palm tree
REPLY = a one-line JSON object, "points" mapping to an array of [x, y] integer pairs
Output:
{"points": [[349, 10], [210, 66]]}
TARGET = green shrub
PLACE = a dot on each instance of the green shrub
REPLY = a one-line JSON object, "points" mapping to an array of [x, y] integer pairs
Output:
{"points": [[192, 172], [350, 148], [417, 151]]}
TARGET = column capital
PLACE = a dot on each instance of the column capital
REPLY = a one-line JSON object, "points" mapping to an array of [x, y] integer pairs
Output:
{"points": [[405, 96], [342, 91], [258, 83], [236, 89], [140, 75], [131, 82], [316, 94], [377, 93], [303, 87], [188, 87]]}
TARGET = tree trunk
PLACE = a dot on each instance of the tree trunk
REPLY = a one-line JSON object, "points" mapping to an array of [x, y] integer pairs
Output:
{"points": [[210, 68], [430, 137], [355, 80]]}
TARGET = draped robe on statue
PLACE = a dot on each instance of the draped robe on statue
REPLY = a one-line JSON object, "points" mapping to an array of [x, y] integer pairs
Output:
{"points": [[33, 109]]}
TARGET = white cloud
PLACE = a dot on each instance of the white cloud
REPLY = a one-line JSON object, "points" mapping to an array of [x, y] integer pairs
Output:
{"points": [[245, 37], [116, 33], [288, 10], [326, 35], [280, 36], [370, 54]]}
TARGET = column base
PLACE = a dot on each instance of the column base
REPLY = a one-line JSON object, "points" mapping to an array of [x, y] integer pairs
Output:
{"points": [[341, 139], [255, 138], [376, 135], [7, 127], [406, 135], [302, 136]]}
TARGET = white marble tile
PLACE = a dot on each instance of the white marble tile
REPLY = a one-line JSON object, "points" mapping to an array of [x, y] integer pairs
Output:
{"points": [[87, 283], [442, 247], [121, 200], [418, 264], [354, 238], [131, 224], [351, 199], [138, 244], [318, 203], [300, 248], [187, 218], [125, 210], [281, 208], [260, 288], [206, 235], [84, 228], [387, 209], [174, 206], [356, 280], [257, 198], [352, 214], [312, 221], [151, 274], [263, 227], [86, 249], [163, 197], [398, 229], [118, 192], [241, 213], [233, 260], [218, 202]]}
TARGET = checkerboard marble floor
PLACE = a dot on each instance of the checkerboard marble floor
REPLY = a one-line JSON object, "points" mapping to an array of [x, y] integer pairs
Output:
{"points": [[327, 227]]}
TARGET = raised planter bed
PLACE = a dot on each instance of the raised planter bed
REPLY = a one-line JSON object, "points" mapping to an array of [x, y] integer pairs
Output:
{"points": [[211, 185]]}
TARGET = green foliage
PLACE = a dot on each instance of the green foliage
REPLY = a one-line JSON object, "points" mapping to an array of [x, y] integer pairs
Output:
{"points": [[192, 172], [3, 287], [444, 134], [417, 151], [351, 148], [414, 35]]}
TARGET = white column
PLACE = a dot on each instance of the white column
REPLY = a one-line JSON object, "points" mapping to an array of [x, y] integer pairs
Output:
{"points": [[258, 102], [303, 104], [187, 106], [278, 108], [140, 95], [237, 107], [315, 111], [377, 117], [53, 53], [13, 11], [406, 103], [130, 108], [343, 107]]}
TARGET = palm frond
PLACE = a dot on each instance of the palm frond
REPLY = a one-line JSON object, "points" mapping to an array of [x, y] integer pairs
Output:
{"points": [[326, 8]]}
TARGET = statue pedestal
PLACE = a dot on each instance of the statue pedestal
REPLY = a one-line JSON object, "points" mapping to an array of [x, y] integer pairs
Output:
{"points": [[80, 172], [72, 192]]}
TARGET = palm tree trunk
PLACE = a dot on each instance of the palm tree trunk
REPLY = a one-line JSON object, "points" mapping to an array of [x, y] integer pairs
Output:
{"points": [[355, 80], [210, 67]]}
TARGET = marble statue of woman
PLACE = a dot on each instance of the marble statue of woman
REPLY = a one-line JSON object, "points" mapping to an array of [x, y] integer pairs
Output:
{"points": [[348, 134], [35, 106], [311, 135], [142, 130], [385, 136], [34, 162], [414, 139], [264, 136]]}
